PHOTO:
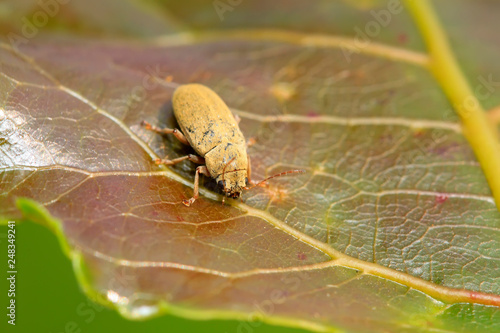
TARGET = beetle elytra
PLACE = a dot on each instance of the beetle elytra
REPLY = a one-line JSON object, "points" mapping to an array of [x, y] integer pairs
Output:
{"points": [[210, 128]]}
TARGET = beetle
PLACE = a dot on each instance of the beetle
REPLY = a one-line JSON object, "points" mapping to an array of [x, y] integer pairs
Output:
{"points": [[210, 128]]}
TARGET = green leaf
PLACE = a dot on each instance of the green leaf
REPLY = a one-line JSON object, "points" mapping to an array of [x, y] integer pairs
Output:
{"points": [[392, 227]]}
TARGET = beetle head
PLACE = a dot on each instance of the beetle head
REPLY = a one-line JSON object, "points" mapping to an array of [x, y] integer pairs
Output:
{"points": [[227, 163], [233, 182]]}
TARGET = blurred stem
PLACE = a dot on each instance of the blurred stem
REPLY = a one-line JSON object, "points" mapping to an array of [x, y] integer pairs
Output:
{"points": [[476, 124], [494, 115]]}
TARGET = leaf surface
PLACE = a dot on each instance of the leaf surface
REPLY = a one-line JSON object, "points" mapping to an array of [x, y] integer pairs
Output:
{"points": [[392, 227]]}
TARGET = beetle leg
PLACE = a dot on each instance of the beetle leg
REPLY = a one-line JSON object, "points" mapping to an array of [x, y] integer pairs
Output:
{"points": [[249, 175], [191, 157], [237, 118], [178, 134], [196, 159], [249, 171], [201, 169], [170, 162], [251, 141]]}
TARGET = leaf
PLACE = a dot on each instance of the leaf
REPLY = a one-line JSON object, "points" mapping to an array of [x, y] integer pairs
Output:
{"points": [[29, 18], [392, 228]]}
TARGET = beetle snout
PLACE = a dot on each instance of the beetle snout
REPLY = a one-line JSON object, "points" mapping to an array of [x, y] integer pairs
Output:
{"points": [[231, 190], [233, 195]]}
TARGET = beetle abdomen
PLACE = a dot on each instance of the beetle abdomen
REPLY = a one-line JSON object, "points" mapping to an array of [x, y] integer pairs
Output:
{"points": [[204, 118]]}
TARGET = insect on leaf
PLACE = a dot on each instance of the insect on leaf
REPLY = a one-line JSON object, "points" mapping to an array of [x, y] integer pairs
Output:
{"points": [[392, 227]]}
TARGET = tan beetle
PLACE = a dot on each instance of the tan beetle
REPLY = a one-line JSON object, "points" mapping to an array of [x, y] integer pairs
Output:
{"points": [[210, 128]]}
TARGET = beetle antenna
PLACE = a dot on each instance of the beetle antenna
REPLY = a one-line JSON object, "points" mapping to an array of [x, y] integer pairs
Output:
{"points": [[284, 173], [224, 172]]}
